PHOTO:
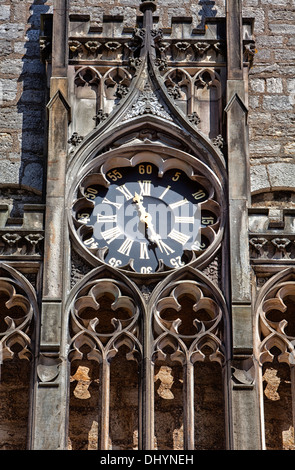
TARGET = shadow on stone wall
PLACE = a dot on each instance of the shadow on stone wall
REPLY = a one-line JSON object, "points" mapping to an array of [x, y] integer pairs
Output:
{"points": [[208, 9], [32, 105]]}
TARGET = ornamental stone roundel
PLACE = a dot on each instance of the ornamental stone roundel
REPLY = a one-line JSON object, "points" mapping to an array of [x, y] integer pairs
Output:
{"points": [[146, 212]]}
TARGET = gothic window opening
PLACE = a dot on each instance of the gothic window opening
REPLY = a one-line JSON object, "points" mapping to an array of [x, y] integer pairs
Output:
{"points": [[16, 328], [209, 405], [84, 409], [277, 399], [124, 401], [104, 331], [276, 348], [169, 410], [189, 356]]}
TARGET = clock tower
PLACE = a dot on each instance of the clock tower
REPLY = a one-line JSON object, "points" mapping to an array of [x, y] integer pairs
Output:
{"points": [[146, 278]]}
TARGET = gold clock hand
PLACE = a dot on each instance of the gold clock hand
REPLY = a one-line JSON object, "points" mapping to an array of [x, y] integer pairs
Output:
{"points": [[146, 218]]}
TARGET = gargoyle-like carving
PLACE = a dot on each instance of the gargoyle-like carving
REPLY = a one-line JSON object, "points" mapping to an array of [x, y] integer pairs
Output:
{"points": [[258, 245], [21, 244], [281, 245]]}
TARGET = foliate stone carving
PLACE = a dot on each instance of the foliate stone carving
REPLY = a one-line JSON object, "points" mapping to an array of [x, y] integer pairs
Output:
{"points": [[187, 323], [161, 64], [122, 90], [218, 141], [75, 139], [147, 103], [194, 118], [212, 271], [135, 62], [16, 315], [100, 116], [174, 91], [103, 319], [276, 324]]}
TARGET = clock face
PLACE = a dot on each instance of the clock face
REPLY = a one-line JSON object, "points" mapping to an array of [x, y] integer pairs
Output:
{"points": [[143, 220]]}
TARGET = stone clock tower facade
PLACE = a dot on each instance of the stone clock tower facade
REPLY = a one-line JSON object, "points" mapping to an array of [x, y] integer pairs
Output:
{"points": [[148, 301]]}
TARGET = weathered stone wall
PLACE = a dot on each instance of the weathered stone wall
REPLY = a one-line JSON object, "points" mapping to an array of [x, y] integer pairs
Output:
{"points": [[22, 94], [271, 86], [271, 94]]}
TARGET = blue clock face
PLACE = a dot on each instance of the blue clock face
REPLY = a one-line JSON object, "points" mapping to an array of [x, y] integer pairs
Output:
{"points": [[145, 221]]}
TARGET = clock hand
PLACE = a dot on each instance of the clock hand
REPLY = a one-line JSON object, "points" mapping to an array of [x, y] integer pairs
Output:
{"points": [[146, 218]]}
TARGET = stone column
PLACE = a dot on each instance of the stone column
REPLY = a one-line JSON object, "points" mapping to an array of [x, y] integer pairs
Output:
{"points": [[244, 399], [49, 429]]}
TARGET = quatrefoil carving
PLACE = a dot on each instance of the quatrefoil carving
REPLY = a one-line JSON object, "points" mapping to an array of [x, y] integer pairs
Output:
{"points": [[103, 319], [187, 322]]}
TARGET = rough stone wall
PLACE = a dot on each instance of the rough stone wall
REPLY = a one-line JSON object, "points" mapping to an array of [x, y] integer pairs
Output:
{"points": [[22, 94], [271, 94], [271, 86]]}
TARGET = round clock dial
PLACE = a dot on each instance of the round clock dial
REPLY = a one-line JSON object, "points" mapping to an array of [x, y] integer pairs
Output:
{"points": [[145, 220]]}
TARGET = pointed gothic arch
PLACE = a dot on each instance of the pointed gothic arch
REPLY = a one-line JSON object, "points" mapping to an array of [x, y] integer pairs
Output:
{"points": [[274, 338], [189, 335], [19, 331], [104, 336]]}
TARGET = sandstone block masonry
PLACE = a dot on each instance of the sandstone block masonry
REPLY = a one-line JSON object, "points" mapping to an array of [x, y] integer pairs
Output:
{"points": [[23, 96], [24, 92]]}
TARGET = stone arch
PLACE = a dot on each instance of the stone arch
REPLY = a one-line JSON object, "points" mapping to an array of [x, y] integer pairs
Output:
{"points": [[178, 84], [208, 101], [105, 355], [274, 349], [19, 326], [190, 343], [86, 99]]}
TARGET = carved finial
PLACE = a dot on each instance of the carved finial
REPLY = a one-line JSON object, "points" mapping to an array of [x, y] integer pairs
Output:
{"points": [[147, 5]]}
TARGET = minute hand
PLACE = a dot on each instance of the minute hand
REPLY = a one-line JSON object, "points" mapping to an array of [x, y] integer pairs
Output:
{"points": [[146, 218]]}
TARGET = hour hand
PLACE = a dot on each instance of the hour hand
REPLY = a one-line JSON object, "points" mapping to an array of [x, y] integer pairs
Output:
{"points": [[146, 218]]}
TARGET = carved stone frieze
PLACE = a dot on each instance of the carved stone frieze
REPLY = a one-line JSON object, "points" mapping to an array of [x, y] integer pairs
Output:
{"points": [[21, 243], [272, 247]]}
